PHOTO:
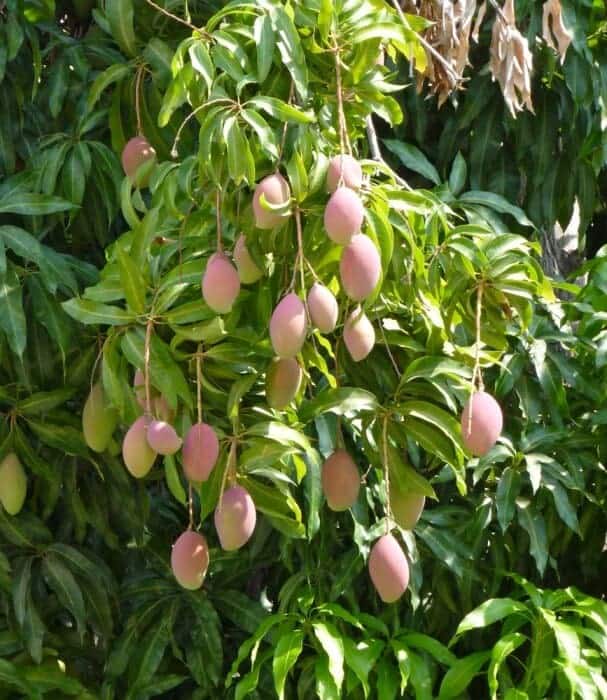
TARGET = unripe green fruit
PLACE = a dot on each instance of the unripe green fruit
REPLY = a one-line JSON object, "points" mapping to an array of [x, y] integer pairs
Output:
{"points": [[352, 173], [323, 308], [138, 160], [235, 518], [288, 326], [247, 269], [283, 380], [406, 507], [389, 569], [276, 191], [200, 452], [359, 335], [190, 560], [360, 267], [344, 215], [162, 438], [481, 431], [13, 484], [340, 481], [138, 456], [99, 420], [220, 283]]}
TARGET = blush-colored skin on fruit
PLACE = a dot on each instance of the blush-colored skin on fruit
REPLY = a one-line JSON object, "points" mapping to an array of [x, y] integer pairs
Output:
{"points": [[360, 267], [235, 518], [340, 481], [359, 335], [99, 420], [288, 326], [388, 568], [137, 152], [352, 173], [283, 380], [481, 432], [406, 507], [190, 559], [276, 191], [13, 484], [323, 308], [220, 283], [200, 452], [247, 269], [138, 456], [163, 438], [344, 215]]}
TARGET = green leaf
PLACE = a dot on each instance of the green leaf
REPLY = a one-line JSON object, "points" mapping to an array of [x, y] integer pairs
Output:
{"points": [[287, 651], [95, 313], [387, 679], [461, 674], [262, 129], [32, 204], [339, 401], [414, 159], [291, 50], [44, 401], [458, 174], [202, 62], [152, 652], [280, 110], [361, 658], [120, 15], [497, 203], [132, 282], [273, 430], [12, 316], [22, 578], [265, 42], [61, 580], [332, 643], [507, 492], [489, 612], [502, 649], [110, 75], [432, 646], [535, 526]]}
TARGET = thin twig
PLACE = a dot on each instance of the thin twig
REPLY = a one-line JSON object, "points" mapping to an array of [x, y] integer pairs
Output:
{"points": [[390, 355], [386, 473], [199, 382], [146, 367], [138, 77], [190, 506], [376, 153], [477, 375], [285, 127], [218, 220], [174, 17], [341, 117], [451, 74]]}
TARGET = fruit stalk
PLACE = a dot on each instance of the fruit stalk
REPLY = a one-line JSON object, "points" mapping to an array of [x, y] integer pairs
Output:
{"points": [[138, 78], [477, 375], [344, 141], [146, 367], [218, 218], [386, 473]]}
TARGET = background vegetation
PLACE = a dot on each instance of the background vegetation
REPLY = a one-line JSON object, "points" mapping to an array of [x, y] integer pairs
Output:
{"points": [[507, 562]]}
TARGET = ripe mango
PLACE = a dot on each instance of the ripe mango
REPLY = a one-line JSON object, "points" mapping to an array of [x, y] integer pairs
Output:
{"points": [[200, 452], [359, 335], [190, 560], [13, 484], [163, 438], [481, 432], [351, 170], [99, 420], [138, 456], [220, 283], [360, 267], [288, 326], [276, 191], [344, 215], [283, 380], [323, 308], [138, 160], [247, 269], [235, 518], [340, 481], [388, 568]]}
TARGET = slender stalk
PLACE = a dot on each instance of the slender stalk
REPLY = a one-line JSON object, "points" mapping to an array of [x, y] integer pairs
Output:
{"points": [[386, 473], [146, 367], [218, 219], [172, 16], [341, 117], [285, 127], [199, 382], [138, 78], [190, 506], [477, 375]]}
